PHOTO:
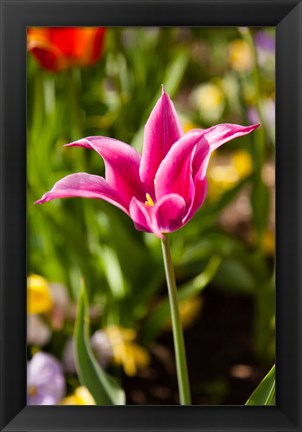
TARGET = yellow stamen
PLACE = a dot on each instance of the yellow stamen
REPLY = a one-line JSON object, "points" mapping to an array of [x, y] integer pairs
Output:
{"points": [[149, 201]]}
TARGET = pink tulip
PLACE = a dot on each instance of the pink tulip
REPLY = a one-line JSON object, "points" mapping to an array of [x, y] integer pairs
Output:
{"points": [[162, 189]]}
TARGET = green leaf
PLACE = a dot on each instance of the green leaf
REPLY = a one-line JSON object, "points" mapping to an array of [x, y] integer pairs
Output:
{"points": [[260, 205], [264, 320], [265, 392], [113, 272], [175, 72], [102, 387], [234, 275]]}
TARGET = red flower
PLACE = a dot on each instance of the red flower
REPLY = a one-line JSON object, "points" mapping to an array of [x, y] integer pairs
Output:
{"points": [[58, 48]]}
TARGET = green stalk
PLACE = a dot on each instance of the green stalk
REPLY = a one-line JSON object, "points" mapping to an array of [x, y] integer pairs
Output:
{"points": [[179, 346]]}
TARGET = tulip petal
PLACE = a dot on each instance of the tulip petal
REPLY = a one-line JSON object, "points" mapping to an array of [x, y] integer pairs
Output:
{"points": [[86, 186], [57, 48], [47, 54], [201, 190], [82, 45], [167, 214], [162, 130], [174, 174], [121, 163], [222, 133], [140, 214]]}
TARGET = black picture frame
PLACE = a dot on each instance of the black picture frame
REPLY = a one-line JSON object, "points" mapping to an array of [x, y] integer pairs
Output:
{"points": [[16, 15]]}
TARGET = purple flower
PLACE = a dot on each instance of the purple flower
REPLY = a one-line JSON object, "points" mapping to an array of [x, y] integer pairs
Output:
{"points": [[265, 45], [265, 41], [161, 189], [45, 380]]}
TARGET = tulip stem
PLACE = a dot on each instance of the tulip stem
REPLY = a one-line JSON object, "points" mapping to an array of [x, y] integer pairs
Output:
{"points": [[179, 345]]}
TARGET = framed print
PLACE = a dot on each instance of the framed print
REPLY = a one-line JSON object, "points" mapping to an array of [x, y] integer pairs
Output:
{"points": [[151, 214]]}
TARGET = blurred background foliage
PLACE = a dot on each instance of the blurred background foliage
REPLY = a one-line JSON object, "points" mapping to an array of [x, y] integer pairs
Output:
{"points": [[224, 258]]}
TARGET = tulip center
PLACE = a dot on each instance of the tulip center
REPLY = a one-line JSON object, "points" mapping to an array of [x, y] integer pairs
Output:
{"points": [[149, 202]]}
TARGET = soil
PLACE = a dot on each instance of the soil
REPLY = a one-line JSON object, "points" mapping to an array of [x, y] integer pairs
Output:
{"points": [[221, 364]]}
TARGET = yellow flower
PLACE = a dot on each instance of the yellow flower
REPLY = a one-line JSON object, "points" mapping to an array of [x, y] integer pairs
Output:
{"points": [[221, 177], [126, 352], [242, 162], [81, 396], [209, 99], [224, 176], [188, 125], [189, 310], [267, 242], [240, 56], [39, 299]]}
